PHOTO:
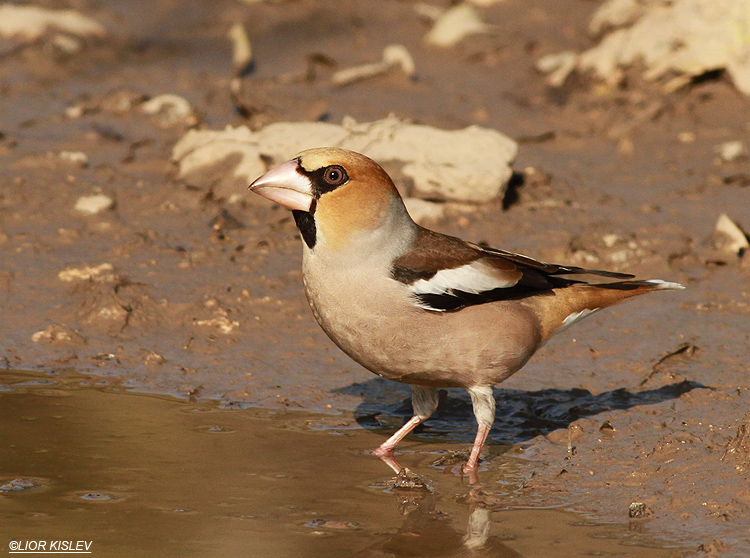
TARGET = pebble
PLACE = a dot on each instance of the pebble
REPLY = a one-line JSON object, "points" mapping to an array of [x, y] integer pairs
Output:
{"points": [[57, 333], [91, 205], [733, 238], [87, 273], [172, 109], [78, 158], [731, 150], [456, 24]]}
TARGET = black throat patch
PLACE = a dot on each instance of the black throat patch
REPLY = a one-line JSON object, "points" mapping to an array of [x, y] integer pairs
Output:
{"points": [[306, 225]]}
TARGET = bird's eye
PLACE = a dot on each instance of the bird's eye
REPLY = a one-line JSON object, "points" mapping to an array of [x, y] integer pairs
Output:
{"points": [[335, 175]]}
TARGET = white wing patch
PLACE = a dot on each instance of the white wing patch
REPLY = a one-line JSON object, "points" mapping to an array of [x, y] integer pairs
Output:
{"points": [[476, 277], [575, 317]]}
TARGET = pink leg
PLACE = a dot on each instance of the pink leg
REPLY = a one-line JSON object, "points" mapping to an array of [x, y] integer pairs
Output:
{"points": [[483, 402], [473, 462], [424, 399], [386, 448]]}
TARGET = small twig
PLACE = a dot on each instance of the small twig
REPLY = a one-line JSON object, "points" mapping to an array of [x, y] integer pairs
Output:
{"points": [[243, 65], [688, 349]]}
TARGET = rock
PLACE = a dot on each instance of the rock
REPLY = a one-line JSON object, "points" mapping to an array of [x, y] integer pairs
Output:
{"points": [[423, 211], [172, 109], [224, 324], [154, 359], [96, 203], [456, 24], [471, 165], [686, 137], [617, 13], [101, 273], [610, 240], [57, 334], [75, 111], [112, 313], [28, 23], [200, 151], [67, 44], [77, 158], [729, 237], [427, 11], [638, 510], [558, 66], [686, 38], [731, 150]]}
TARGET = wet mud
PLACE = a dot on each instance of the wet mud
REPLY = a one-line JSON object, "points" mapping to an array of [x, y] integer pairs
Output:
{"points": [[171, 288]]}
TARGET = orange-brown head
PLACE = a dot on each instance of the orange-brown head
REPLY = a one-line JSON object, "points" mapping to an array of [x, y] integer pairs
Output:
{"points": [[336, 195]]}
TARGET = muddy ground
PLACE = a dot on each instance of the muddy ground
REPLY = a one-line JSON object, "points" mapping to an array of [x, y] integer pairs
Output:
{"points": [[202, 297]]}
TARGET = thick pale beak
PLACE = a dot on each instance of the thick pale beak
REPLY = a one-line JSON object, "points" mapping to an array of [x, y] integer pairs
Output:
{"points": [[286, 186]]}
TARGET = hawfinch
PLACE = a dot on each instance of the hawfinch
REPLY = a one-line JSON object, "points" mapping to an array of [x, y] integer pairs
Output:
{"points": [[417, 306]]}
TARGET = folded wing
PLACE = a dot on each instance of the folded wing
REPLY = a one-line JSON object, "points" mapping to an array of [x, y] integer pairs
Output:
{"points": [[447, 274]]}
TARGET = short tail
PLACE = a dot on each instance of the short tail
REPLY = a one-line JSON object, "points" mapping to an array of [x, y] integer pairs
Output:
{"points": [[573, 303]]}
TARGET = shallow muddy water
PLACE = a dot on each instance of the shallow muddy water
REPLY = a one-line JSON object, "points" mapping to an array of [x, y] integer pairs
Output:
{"points": [[135, 475]]}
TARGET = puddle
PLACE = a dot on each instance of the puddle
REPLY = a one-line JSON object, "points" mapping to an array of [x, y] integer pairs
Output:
{"points": [[136, 475]]}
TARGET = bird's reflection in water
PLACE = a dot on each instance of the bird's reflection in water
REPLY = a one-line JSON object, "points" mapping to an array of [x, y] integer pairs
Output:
{"points": [[428, 531]]}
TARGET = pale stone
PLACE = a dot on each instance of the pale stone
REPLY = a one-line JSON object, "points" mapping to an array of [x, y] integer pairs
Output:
{"points": [[423, 211], [101, 272], [682, 38], [172, 108], [734, 238], [91, 205], [31, 22], [78, 158], [470, 165], [454, 25], [731, 150]]}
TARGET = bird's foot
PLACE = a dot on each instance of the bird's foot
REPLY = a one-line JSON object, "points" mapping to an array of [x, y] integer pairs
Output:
{"points": [[470, 470]]}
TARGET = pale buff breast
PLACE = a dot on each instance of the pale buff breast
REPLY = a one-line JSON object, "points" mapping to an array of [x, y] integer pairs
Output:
{"points": [[371, 318]]}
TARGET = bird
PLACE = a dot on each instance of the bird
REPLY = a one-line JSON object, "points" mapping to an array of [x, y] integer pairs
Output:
{"points": [[418, 306]]}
